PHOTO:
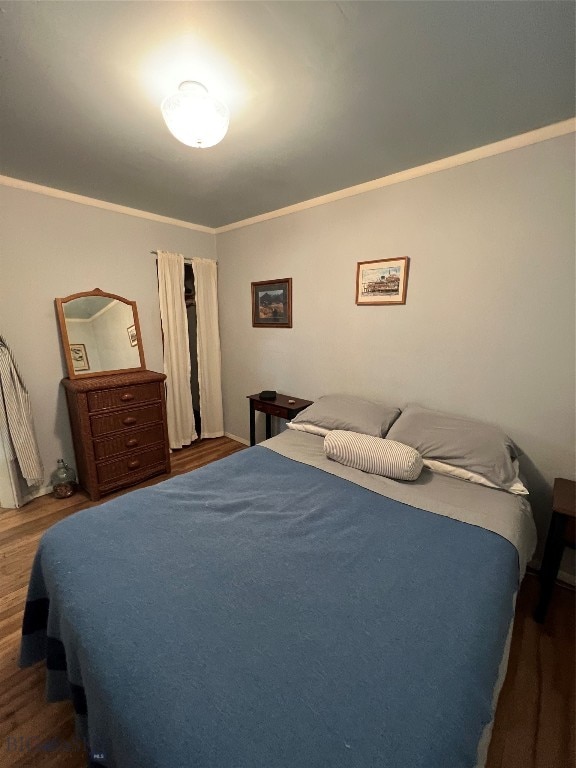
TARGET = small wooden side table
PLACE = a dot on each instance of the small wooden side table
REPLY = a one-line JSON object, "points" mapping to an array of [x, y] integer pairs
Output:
{"points": [[284, 406], [560, 534]]}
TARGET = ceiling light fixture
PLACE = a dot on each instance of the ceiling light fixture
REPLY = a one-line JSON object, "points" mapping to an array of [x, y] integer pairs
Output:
{"points": [[195, 117]]}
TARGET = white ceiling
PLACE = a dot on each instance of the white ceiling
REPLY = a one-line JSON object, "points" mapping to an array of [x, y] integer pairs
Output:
{"points": [[323, 95]]}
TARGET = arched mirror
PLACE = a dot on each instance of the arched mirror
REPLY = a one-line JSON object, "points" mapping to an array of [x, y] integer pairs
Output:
{"points": [[100, 334]]}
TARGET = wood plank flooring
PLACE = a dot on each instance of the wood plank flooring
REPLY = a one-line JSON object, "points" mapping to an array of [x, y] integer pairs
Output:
{"points": [[535, 720]]}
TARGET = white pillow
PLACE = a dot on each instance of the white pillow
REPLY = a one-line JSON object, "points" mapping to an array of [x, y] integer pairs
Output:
{"points": [[517, 487], [306, 427], [373, 454]]}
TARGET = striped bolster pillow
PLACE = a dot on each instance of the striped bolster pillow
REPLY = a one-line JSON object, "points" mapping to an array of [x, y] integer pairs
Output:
{"points": [[373, 454]]}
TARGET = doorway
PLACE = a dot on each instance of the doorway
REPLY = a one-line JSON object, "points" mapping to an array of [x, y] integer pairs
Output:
{"points": [[188, 294], [190, 301]]}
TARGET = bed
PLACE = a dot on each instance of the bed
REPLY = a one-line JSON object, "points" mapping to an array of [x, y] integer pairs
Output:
{"points": [[278, 609]]}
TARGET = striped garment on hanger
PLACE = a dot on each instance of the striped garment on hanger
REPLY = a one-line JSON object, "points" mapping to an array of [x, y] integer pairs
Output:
{"points": [[16, 421]]}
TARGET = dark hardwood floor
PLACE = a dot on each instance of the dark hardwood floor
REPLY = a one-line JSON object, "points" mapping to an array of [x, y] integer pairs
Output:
{"points": [[535, 720]]}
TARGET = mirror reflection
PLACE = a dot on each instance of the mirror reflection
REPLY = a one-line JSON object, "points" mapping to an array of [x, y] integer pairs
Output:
{"points": [[100, 333]]}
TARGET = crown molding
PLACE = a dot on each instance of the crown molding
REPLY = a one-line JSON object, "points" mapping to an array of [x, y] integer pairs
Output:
{"points": [[72, 197], [480, 153]]}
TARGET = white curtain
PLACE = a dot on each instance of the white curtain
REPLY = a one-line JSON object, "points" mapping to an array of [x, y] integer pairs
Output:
{"points": [[209, 363], [180, 415]]}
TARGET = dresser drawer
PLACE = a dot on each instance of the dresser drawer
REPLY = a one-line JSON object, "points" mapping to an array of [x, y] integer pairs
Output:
{"points": [[105, 399], [113, 470], [128, 441], [128, 419], [272, 409], [119, 429]]}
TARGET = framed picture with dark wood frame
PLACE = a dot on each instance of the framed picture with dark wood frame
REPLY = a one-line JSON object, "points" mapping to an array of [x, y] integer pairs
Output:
{"points": [[272, 303], [382, 281]]}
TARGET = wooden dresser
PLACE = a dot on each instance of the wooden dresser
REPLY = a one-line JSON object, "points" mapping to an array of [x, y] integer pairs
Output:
{"points": [[119, 429]]}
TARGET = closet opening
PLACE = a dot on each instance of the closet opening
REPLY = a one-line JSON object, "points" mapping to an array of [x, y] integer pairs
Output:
{"points": [[190, 301], [188, 297]]}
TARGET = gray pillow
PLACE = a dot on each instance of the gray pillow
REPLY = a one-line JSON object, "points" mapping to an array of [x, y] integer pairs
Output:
{"points": [[472, 445], [373, 454], [345, 412]]}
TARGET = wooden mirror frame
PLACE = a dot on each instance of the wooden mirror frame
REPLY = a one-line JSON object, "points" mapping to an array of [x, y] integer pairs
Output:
{"points": [[60, 303]]}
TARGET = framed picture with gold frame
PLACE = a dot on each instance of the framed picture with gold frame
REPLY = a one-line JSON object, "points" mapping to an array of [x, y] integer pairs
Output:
{"points": [[79, 357], [132, 335], [382, 281]]}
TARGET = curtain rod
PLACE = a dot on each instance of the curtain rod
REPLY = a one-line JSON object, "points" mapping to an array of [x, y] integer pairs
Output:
{"points": [[186, 261]]}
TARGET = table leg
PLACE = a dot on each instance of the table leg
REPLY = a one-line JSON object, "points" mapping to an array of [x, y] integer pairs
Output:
{"points": [[550, 564], [268, 426], [252, 424]]}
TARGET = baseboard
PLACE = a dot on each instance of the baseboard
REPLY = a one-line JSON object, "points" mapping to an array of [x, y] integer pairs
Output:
{"points": [[567, 578], [238, 439], [34, 493], [563, 576]]}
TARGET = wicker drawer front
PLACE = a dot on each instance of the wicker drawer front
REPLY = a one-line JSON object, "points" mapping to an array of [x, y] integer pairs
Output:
{"points": [[105, 399], [113, 470], [119, 429], [134, 417], [128, 441]]}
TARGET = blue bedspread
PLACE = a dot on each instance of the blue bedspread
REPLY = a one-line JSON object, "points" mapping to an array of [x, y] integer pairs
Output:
{"points": [[260, 613]]}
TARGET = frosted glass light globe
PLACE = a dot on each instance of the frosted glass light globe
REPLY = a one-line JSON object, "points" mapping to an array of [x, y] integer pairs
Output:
{"points": [[194, 117]]}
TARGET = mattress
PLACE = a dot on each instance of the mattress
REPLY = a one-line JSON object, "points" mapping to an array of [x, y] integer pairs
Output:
{"points": [[266, 612]]}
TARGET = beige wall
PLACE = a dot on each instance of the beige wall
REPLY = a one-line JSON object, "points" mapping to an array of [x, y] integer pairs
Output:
{"points": [[488, 327], [51, 247]]}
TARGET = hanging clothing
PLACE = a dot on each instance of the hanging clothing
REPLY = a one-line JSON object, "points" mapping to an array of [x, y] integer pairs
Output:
{"points": [[16, 423], [209, 358], [180, 416]]}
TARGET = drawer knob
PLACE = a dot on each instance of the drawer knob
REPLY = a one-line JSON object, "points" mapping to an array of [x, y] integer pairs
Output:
{"points": [[129, 420], [127, 396], [132, 442], [134, 464]]}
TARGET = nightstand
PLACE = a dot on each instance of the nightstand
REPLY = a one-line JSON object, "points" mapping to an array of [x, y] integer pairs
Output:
{"points": [[284, 406], [560, 534]]}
